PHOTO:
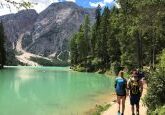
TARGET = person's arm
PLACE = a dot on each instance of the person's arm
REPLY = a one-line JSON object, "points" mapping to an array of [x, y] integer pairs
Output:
{"points": [[141, 87], [128, 87], [115, 83]]}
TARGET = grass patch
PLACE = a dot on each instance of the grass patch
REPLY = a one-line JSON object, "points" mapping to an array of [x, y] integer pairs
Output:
{"points": [[100, 108], [158, 111]]}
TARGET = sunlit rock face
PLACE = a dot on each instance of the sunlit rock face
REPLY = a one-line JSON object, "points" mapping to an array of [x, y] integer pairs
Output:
{"points": [[54, 28], [15, 24], [48, 33]]}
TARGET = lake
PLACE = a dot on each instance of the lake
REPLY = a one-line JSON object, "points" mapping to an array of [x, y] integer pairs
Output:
{"points": [[51, 91]]}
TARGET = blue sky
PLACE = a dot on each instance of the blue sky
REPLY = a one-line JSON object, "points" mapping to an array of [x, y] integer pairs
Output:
{"points": [[92, 3], [42, 4]]}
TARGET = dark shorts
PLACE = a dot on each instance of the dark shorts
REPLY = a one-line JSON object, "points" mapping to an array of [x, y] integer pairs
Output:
{"points": [[134, 99], [124, 94]]}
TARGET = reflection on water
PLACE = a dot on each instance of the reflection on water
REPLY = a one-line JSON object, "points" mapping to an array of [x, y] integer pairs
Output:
{"points": [[50, 91]]}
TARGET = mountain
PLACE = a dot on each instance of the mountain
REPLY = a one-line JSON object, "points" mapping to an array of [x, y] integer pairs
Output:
{"points": [[45, 35], [15, 24]]}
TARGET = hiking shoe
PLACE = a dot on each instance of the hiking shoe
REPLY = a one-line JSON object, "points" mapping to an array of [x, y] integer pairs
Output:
{"points": [[122, 113], [118, 113]]}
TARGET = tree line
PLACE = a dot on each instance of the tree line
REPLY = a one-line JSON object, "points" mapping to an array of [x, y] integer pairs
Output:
{"points": [[155, 97], [131, 36], [2, 46]]}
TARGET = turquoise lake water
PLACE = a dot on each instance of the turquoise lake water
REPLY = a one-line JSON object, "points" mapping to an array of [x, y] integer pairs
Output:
{"points": [[50, 91]]}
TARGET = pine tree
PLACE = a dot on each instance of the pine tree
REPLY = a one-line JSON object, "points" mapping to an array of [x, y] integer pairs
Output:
{"points": [[79, 44], [113, 40], [93, 40], [96, 35], [87, 36], [82, 45], [132, 35], [104, 33], [98, 16], [74, 50], [2, 47]]}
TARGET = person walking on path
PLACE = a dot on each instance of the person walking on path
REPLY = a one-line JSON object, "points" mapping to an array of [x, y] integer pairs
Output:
{"points": [[135, 87], [121, 87]]}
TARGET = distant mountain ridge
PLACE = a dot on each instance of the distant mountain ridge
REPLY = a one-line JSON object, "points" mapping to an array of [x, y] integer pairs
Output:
{"points": [[45, 34], [15, 24]]}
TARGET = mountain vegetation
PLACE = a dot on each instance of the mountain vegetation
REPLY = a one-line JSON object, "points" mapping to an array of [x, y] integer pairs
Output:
{"points": [[7, 55], [44, 35], [155, 98], [2, 47], [132, 36]]}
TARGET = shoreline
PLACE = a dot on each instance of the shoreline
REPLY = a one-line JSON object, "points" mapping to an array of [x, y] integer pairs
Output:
{"points": [[111, 99], [103, 101]]}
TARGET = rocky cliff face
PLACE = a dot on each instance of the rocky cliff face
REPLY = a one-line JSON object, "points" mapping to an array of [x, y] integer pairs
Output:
{"points": [[46, 34], [53, 28], [15, 24]]}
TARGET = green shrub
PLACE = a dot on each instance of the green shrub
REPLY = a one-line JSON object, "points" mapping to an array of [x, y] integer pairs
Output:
{"points": [[158, 111], [162, 59], [156, 90], [11, 60], [80, 68], [96, 62], [161, 111], [100, 108], [115, 68]]}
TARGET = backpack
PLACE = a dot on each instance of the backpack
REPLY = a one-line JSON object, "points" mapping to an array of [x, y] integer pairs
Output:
{"points": [[120, 86], [134, 86]]}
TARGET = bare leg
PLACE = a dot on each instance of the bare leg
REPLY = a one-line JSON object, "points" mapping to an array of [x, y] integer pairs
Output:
{"points": [[123, 104], [132, 108], [118, 101], [137, 109]]}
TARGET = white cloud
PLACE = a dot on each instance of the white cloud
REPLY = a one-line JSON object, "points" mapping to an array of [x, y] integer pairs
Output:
{"points": [[117, 5], [41, 5], [4, 11], [5, 8], [56, 0], [71, 0], [108, 1], [104, 2], [92, 4]]}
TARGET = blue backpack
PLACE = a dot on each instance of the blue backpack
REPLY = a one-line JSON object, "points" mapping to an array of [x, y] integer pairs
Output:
{"points": [[120, 86]]}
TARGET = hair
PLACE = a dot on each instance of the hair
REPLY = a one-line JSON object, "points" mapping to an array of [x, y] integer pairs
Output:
{"points": [[121, 73], [134, 72]]}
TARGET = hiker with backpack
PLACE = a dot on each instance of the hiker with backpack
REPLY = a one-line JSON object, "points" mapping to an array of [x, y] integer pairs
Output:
{"points": [[135, 87], [121, 91]]}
